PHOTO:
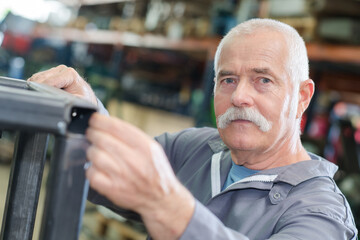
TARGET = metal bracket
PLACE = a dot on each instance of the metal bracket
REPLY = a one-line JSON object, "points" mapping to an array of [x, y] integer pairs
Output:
{"points": [[36, 110]]}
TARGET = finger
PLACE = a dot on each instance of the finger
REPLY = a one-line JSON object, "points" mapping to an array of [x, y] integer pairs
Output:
{"points": [[68, 79], [121, 130], [42, 73], [107, 143], [133, 162], [98, 180], [45, 75], [133, 146], [103, 161], [59, 77], [115, 190], [136, 161]]}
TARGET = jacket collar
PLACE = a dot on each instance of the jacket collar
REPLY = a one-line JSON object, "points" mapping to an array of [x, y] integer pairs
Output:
{"points": [[292, 174], [217, 145], [301, 171]]}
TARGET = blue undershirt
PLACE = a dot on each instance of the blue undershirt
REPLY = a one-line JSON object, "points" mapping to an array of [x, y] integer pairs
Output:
{"points": [[237, 173]]}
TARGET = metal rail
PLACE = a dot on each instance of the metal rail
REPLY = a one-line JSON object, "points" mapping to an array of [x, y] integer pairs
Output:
{"points": [[35, 111]]}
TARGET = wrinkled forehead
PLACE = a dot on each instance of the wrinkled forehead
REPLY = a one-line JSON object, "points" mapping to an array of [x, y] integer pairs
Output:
{"points": [[265, 38], [260, 49]]}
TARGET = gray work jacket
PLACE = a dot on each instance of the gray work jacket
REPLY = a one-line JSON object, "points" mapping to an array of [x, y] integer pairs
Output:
{"points": [[298, 201]]}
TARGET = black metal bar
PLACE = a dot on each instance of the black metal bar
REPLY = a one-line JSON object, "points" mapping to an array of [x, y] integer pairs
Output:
{"points": [[37, 107], [24, 186], [67, 189], [29, 108]]}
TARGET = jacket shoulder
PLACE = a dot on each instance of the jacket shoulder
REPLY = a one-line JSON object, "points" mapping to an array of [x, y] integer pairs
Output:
{"points": [[181, 146]]}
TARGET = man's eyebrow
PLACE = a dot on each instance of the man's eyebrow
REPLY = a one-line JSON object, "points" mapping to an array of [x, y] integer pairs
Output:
{"points": [[262, 70], [225, 73]]}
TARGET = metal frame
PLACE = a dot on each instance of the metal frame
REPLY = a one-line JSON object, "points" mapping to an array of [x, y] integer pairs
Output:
{"points": [[34, 111]]}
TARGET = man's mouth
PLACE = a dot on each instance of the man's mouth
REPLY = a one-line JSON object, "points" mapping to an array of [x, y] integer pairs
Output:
{"points": [[241, 121]]}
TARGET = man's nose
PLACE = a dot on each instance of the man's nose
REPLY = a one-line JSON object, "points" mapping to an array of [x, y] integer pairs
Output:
{"points": [[242, 96]]}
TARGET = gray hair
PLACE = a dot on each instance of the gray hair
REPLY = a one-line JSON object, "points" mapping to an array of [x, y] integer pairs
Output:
{"points": [[297, 64]]}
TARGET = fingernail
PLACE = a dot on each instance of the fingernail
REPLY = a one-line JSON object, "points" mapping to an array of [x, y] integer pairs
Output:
{"points": [[87, 165]]}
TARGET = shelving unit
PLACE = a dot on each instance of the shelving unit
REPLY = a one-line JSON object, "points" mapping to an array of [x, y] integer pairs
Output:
{"points": [[90, 2], [120, 39], [334, 53], [316, 51]]}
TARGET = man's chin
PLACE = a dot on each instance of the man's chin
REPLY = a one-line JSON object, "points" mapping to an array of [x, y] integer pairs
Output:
{"points": [[240, 144]]}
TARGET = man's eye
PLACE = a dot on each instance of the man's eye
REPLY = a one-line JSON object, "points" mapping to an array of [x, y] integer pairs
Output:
{"points": [[228, 80], [265, 80]]}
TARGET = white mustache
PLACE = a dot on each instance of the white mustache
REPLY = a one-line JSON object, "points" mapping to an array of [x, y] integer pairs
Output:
{"points": [[249, 114]]}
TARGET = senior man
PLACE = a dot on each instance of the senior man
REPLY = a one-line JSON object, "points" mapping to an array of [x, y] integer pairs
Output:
{"points": [[249, 179]]}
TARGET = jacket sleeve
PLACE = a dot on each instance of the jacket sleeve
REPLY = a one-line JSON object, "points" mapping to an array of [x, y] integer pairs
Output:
{"points": [[307, 224], [322, 219], [204, 225], [312, 222], [99, 199], [101, 108]]}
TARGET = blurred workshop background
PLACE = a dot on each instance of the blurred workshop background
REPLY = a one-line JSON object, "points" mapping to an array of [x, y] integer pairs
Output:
{"points": [[151, 63]]}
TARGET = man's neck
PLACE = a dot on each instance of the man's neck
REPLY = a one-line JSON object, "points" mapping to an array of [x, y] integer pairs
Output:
{"points": [[275, 157]]}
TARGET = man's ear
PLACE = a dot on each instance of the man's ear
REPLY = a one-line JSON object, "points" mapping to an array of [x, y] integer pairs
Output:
{"points": [[306, 91]]}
